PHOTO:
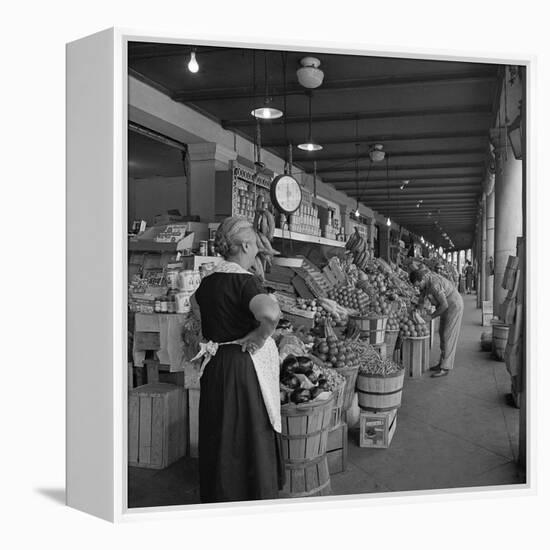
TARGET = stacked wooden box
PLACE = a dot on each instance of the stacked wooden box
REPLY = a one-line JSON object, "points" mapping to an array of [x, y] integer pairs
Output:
{"points": [[337, 448], [416, 355], [157, 425]]}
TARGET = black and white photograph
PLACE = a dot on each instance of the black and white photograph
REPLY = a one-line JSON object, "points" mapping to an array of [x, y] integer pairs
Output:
{"points": [[326, 274], [274, 275]]}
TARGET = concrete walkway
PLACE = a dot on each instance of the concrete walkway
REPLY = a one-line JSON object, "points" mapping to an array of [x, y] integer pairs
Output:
{"points": [[456, 431]]}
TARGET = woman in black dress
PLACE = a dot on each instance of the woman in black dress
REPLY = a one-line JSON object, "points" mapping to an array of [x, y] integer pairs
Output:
{"points": [[239, 411]]}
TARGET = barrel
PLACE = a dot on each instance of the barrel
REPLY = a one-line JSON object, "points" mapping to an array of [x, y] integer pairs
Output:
{"points": [[379, 393], [338, 404], [307, 479], [305, 429], [390, 339], [350, 374], [416, 355], [304, 436], [500, 337], [373, 329]]}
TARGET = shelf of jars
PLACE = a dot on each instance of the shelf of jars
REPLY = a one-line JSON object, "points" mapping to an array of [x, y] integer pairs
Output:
{"points": [[240, 191]]}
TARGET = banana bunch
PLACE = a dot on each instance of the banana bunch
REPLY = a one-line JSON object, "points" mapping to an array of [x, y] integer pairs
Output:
{"points": [[359, 249], [264, 223], [265, 250]]}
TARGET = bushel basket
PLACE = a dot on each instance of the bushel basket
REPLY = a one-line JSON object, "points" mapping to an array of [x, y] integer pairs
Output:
{"points": [[380, 393], [305, 429]]}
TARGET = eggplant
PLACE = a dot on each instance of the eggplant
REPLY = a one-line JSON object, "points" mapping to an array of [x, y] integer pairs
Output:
{"points": [[289, 365], [323, 384], [291, 382], [313, 376], [300, 396], [304, 364], [315, 392]]}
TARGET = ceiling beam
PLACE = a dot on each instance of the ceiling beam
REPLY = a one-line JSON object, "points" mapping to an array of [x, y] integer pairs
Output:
{"points": [[154, 51], [409, 190], [369, 115], [398, 168], [304, 158], [429, 201], [395, 81], [389, 138], [415, 179]]}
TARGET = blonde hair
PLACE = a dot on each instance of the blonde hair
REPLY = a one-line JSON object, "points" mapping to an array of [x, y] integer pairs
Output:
{"points": [[231, 233]]}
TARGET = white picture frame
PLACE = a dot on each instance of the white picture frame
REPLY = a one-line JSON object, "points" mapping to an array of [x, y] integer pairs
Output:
{"points": [[96, 391]]}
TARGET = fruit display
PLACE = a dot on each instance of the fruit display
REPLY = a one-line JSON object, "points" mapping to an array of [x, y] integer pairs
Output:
{"points": [[301, 380], [413, 325], [393, 321], [359, 249], [328, 312], [350, 297], [334, 352]]}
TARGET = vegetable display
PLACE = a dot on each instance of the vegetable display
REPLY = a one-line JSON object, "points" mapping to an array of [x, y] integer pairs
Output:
{"points": [[301, 380]]}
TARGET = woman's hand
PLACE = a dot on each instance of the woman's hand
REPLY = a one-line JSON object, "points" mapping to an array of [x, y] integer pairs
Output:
{"points": [[252, 342]]}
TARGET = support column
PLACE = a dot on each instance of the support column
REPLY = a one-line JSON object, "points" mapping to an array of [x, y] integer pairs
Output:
{"points": [[483, 255], [384, 241], [508, 216], [204, 159], [490, 244], [372, 230]]}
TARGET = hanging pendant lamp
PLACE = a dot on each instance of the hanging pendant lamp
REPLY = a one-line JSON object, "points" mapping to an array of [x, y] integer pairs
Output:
{"points": [[310, 145], [388, 221], [266, 111]]}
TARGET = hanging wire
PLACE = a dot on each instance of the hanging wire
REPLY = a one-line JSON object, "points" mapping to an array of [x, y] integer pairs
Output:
{"points": [[357, 161], [388, 182], [285, 125]]}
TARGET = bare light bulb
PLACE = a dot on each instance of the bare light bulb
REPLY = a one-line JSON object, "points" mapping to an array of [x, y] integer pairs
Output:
{"points": [[357, 212], [388, 222], [193, 66]]}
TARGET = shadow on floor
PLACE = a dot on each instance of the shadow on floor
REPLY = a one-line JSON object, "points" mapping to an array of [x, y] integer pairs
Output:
{"points": [[58, 495]]}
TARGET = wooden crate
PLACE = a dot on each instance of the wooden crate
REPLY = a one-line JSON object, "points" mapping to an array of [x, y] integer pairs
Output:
{"points": [[376, 430], [157, 425], [416, 355], [337, 449]]}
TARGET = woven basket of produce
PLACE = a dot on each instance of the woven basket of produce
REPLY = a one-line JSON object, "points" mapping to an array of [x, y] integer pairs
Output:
{"points": [[305, 429], [307, 389], [372, 327], [350, 374], [391, 339]]}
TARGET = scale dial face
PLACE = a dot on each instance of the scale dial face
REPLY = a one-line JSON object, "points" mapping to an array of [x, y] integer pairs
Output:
{"points": [[286, 194]]}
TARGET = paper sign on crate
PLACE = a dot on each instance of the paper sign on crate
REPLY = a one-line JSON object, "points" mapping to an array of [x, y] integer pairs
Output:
{"points": [[376, 430]]}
